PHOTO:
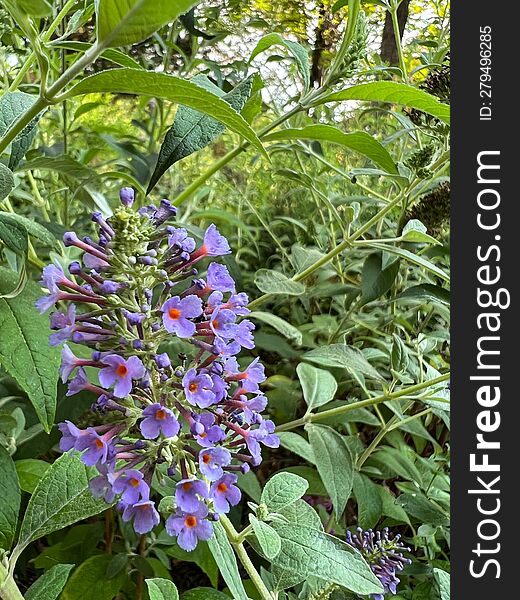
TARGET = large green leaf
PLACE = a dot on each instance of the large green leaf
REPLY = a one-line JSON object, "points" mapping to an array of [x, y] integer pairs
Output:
{"points": [[35, 8], [50, 584], [161, 85], [162, 589], [334, 463], [110, 54], [10, 504], [13, 234], [299, 53], [415, 259], [90, 581], [443, 582], [308, 551], [193, 130], [34, 229], [286, 329], [204, 593], [274, 282], [6, 181], [343, 356], [62, 497], [297, 444], [30, 471], [376, 281], [282, 490], [125, 22], [24, 347], [319, 386], [359, 141], [225, 557], [395, 93], [369, 503], [12, 105], [266, 536]]}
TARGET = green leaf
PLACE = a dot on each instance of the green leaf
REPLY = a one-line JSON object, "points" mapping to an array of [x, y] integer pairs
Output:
{"points": [[274, 282], [90, 576], [394, 93], [359, 141], [50, 584], [225, 557], [10, 504], [267, 537], [13, 234], [169, 87], [311, 552], [319, 386], [248, 483], [204, 593], [334, 463], [369, 504], [299, 53], [125, 22], [426, 292], [341, 355], [30, 471], [419, 506], [115, 56], [283, 489], [162, 589], [415, 259], [24, 347], [389, 506], [297, 444], [302, 513], [414, 231], [34, 229], [376, 281], [286, 329], [443, 582], [63, 164], [62, 497], [6, 181], [35, 8], [193, 130], [12, 105]]}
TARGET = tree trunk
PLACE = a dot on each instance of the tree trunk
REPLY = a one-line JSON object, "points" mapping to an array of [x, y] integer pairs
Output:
{"points": [[388, 45]]}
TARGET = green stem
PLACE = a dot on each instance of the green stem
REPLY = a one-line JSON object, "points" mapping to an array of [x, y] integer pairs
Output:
{"points": [[397, 35], [8, 588], [339, 410], [235, 539]]}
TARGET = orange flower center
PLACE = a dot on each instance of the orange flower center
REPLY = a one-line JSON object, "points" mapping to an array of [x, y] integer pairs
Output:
{"points": [[222, 487], [99, 444], [190, 521], [160, 414], [122, 370], [206, 459], [203, 435], [193, 387], [174, 313], [215, 324], [134, 482], [187, 486]]}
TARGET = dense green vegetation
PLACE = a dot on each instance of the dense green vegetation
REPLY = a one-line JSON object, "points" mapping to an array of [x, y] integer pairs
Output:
{"points": [[317, 141]]}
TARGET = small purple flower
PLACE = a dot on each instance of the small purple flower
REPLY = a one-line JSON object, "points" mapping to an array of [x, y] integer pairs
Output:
{"points": [[144, 514], [214, 243], [126, 195], [94, 447], [253, 407], [179, 238], [186, 492], [212, 460], [237, 303], [198, 388], [68, 363], [177, 311], [158, 419], [63, 324], [264, 434], [225, 349], [79, 383], [219, 279], [70, 434], [206, 432], [163, 360], [225, 493], [243, 334], [101, 486], [121, 372], [94, 262], [190, 527], [132, 486], [52, 276], [222, 323]]}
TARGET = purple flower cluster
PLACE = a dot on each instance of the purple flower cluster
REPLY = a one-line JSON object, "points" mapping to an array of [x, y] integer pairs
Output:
{"points": [[195, 419], [383, 552]]}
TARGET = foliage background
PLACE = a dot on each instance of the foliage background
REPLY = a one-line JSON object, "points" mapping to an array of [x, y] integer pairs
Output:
{"points": [[375, 314]]}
